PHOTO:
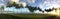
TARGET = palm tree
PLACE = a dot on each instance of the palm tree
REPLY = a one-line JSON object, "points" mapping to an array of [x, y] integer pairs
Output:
{"points": [[48, 10], [9, 4], [21, 6], [31, 8], [2, 7], [17, 6], [39, 9], [14, 4]]}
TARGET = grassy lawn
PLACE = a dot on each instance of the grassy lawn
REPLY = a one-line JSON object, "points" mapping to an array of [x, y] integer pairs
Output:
{"points": [[34, 16], [27, 16]]}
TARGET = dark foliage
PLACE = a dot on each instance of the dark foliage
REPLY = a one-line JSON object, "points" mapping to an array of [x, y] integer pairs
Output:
{"points": [[48, 10], [31, 8], [17, 6], [9, 4], [14, 4], [39, 9]]}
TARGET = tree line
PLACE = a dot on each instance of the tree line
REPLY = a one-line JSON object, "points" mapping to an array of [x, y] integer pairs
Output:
{"points": [[29, 7]]}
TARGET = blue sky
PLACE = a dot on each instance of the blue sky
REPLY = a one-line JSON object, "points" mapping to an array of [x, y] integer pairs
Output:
{"points": [[32, 4], [36, 3]]}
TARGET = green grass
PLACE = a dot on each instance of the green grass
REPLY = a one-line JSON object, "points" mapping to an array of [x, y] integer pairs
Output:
{"points": [[35, 16], [26, 16]]}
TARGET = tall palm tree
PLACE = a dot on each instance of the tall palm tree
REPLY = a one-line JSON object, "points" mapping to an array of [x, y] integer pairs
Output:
{"points": [[14, 4], [39, 9], [31, 8], [9, 4], [17, 6], [21, 6]]}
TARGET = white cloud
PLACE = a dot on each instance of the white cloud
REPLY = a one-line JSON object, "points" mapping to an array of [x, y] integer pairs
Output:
{"points": [[2, 0], [50, 4], [30, 1], [37, 11], [17, 1], [52, 12], [23, 3], [54, 3]]}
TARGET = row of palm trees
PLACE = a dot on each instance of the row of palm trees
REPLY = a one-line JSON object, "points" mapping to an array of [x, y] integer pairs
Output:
{"points": [[14, 5], [35, 8], [29, 7]]}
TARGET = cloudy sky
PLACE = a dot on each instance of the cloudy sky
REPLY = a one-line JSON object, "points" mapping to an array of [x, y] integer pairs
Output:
{"points": [[43, 4], [46, 4], [40, 3]]}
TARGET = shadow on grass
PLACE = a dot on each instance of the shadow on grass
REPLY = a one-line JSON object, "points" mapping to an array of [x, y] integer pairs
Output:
{"points": [[51, 17]]}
